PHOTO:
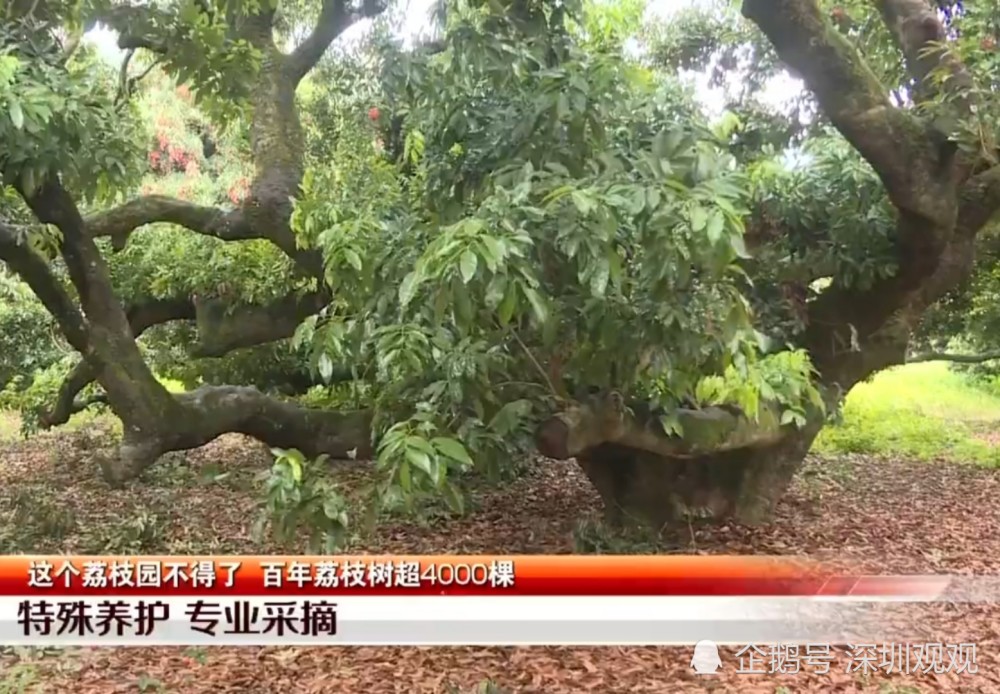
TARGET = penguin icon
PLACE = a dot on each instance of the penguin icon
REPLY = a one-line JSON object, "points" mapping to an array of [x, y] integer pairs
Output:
{"points": [[705, 660]]}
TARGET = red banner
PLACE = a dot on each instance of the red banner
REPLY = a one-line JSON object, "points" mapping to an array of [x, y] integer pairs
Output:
{"points": [[444, 575]]}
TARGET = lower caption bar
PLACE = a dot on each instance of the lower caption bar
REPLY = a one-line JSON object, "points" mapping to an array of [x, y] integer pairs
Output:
{"points": [[442, 620]]}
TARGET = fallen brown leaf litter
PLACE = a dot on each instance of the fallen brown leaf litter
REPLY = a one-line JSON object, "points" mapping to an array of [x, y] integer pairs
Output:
{"points": [[891, 516]]}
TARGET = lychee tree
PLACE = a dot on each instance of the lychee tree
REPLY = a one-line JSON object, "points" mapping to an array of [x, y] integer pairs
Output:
{"points": [[514, 233]]}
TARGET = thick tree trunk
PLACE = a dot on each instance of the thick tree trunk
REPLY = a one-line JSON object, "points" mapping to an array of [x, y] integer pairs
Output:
{"points": [[744, 484]]}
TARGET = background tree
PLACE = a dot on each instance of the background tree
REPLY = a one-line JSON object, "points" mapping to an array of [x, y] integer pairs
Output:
{"points": [[518, 223]]}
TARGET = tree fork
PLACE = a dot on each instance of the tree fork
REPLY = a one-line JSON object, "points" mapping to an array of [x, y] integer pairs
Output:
{"points": [[136, 396], [221, 329]]}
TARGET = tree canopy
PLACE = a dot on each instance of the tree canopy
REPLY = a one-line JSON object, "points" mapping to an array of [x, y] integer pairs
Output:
{"points": [[526, 230]]}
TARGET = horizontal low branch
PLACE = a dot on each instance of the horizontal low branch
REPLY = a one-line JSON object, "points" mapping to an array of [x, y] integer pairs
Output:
{"points": [[605, 419], [121, 221], [223, 327], [278, 423], [227, 225], [953, 357], [211, 411]]}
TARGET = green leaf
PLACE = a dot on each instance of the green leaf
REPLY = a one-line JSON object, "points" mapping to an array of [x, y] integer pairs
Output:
{"points": [[728, 123], [507, 418], [404, 476], [462, 305], [333, 508], [468, 265], [454, 498], [28, 180], [736, 241], [408, 288], [652, 198], [660, 146], [637, 200], [16, 114], [537, 305], [583, 203], [490, 250], [421, 444], [506, 309], [699, 217], [787, 417], [599, 279], [295, 466], [671, 425], [419, 459], [452, 448], [557, 193], [325, 367], [716, 224], [353, 259]]}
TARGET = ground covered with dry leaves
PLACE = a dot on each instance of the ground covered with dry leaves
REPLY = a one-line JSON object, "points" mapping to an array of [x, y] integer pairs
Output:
{"points": [[893, 516]]}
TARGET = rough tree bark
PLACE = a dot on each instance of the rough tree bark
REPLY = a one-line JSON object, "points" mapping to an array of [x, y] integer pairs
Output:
{"points": [[942, 198]]}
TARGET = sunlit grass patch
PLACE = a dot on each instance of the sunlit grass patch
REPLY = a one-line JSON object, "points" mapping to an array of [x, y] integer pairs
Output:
{"points": [[10, 426], [171, 385], [919, 410]]}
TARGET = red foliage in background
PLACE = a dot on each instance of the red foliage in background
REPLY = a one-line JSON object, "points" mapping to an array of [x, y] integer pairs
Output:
{"points": [[166, 157], [239, 190]]}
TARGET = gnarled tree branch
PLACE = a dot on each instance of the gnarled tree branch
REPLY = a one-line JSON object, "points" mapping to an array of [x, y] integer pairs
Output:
{"points": [[232, 225], [139, 399], [334, 17], [223, 327], [67, 404], [121, 221], [892, 140], [141, 317], [853, 332], [938, 71], [980, 201], [918, 32], [210, 411]]}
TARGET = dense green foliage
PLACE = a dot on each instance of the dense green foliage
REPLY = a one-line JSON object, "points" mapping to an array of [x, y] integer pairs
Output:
{"points": [[28, 338]]}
